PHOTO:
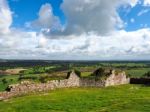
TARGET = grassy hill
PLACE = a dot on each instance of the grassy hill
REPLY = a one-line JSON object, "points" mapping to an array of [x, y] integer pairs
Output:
{"points": [[125, 98]]}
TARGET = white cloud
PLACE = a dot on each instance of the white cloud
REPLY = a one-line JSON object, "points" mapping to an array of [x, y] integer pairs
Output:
{"points": [[5, 17], [42, 41], [134, 2], [147, 2], [46, 18], [97, 16], [120, 44], [143, 12], [90, 34]]}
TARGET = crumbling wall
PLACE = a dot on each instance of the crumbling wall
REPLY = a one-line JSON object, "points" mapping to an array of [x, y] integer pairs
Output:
{"points": [[117, 79], [91, 83], [27, 86], [73, 81]]}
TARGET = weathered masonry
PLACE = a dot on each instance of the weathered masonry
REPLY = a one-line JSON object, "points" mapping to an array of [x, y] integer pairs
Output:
{"points": [[72, 81]]}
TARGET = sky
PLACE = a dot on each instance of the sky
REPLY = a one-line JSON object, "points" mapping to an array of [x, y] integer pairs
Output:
{"points": [[75, 29]]}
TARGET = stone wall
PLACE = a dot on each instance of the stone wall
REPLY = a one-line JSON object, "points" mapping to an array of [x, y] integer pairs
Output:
{"points": [[73, 81], [117, 79], [91, 83]]}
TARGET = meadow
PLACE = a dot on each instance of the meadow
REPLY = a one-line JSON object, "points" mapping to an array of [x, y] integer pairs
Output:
{"points": [[42, 71], [124, 98]]}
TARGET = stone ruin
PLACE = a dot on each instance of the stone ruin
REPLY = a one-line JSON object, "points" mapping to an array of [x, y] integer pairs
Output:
{"points": [[72, 81]]}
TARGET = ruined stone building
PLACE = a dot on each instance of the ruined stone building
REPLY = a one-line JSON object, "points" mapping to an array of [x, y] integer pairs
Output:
{"points": [[73, 80]]}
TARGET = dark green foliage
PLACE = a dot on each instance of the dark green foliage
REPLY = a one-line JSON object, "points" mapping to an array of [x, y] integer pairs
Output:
{"points": [[27, 77], [77, 72], [128, 75], [11, 80], [42, 79], [99, 72], [147, 74], [4, 81]]}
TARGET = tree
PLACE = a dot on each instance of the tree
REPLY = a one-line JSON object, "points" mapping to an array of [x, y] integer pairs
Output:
{"points": [[4, 81], [99, 72], [147, 74]]}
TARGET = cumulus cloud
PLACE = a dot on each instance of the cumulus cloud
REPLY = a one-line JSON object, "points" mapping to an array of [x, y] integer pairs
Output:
{"points": [[134, 2], [5, 17], [93, 31], [11, 39], [99, 16], [147, 2], [46, 19], [92, 46]]}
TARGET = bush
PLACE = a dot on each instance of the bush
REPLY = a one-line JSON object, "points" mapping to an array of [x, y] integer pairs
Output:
{"points": [[147, 74], [99, 72], [42, 79], [4, 81], [77, 72]]}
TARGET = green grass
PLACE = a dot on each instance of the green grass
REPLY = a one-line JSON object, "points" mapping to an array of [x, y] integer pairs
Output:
{"points": [[11, 79], [134, 72], [138, 72], [85, 74], [126, 98]]}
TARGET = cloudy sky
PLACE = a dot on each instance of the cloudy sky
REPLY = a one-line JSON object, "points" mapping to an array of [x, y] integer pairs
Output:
{"points": [[75, 29]]}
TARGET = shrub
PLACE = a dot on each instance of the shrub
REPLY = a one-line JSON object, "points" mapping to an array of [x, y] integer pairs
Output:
{"points": [[77, 72], [42, 79], [11, 80], [147, 74], [99, 72], [4, 81]]}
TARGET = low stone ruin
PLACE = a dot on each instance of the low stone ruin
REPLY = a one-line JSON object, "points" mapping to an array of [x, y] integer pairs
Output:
{"points": [[72, 81]]}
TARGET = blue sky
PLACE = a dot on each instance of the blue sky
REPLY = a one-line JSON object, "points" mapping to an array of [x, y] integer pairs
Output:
{"points": [[25, 11], [75, 29], [139, 21]]}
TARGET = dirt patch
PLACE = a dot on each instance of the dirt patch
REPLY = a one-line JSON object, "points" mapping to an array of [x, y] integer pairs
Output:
{"points": [[11, 71]]}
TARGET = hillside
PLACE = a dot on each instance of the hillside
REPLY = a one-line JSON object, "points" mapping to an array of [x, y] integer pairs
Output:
{"points": [[126, 98]]}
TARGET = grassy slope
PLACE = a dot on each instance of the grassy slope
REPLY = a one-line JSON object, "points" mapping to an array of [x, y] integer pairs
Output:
{"points": [[126, 98]]}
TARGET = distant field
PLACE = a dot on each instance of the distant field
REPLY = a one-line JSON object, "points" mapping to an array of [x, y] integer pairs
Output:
{"points": [[137, 72], [126, 98], [34, 70]]}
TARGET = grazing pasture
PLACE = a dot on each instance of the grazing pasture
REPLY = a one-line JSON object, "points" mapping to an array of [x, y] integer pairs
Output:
{"points": [[48, 70], [125, 98]]}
